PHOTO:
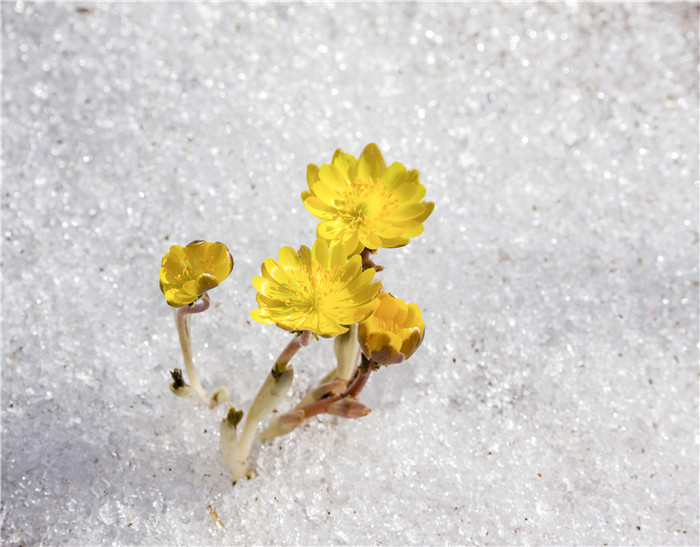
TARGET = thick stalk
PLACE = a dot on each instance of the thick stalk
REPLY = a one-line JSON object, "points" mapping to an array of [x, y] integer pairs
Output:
{"points": [[347, 351], [273, 390], [324, 399]]}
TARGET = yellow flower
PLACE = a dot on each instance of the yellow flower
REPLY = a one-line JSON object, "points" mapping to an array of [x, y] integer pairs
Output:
{"points": [[393, 332], [364, 203], [320, 290], [188, 272]]}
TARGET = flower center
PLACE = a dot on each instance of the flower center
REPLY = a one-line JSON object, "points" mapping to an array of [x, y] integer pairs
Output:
{"points": [[366, 204], [313, 290]]}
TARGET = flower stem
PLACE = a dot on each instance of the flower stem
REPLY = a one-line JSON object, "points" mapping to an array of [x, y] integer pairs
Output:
{"points": [[354, 389], [300, 340], [331, 397], [182, 321], [273, 390], [367, 261], [347, 352]]}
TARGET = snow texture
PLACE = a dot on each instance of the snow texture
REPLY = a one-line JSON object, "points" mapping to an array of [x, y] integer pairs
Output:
{"points": [[555, 397]]}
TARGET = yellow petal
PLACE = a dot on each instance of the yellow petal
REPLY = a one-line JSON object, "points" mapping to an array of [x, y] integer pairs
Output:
{"points": [[354, 243], [412, 342], [413, 229], [167, 275], [338, 257], [429, 206], [311, 173], [383, 348], [274, 271], [334, 179], [178, 252], [352, 268], [328, 328], [366, 294], [257, 315], [409, 193], [363, 279], [222, 267], [413, 317], [390, 232], [177, 299], [371, 163], [190, 287], [387, 306], [329, 230], [395, 175], [206, 282], [391, 243], [338, 152], [258, 282], [409, 211], [305, 257], [320, 253], [370, 240], [325, 187], [316, 206], [401, 311], [271, 303], [289, 258], [345, 163]]}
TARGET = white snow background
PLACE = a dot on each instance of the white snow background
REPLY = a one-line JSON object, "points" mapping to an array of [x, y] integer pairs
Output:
{"points": [[555, 397]]}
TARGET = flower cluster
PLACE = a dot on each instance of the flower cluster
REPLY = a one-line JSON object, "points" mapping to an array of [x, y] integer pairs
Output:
{"points": [[328, 290]]}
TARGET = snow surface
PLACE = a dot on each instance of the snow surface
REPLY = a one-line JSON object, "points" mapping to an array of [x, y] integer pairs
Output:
{"points": [[555, 398]]}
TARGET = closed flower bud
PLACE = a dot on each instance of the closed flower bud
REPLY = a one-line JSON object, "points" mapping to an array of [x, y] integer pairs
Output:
{"points": [[393, 332], [347, 407]]}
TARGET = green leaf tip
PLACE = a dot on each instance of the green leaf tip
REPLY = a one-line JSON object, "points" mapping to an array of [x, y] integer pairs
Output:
{"points": [[234, 417]]}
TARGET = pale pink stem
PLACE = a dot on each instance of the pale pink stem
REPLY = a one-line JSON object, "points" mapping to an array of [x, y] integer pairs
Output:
{"points": [[290, 351], [255, 415], [354, 389], [182, 316]]}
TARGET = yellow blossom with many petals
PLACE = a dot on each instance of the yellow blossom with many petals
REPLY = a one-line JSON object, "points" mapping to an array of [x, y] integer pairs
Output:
{"points": [[393, 332], [319, 290], [188, 272], [364, 203]]}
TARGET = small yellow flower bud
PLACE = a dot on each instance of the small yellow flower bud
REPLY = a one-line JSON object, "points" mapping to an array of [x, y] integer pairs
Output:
{"points": [[188, 272], [393, 332]]}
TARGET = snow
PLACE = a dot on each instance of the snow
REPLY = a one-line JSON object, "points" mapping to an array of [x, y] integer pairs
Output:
{"points": [[555, 397]]}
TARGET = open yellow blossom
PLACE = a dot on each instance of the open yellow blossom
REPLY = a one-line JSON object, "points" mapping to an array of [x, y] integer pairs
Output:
{"points": [[393, 332], [364, 203], [319, 290], [188, 272]]}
